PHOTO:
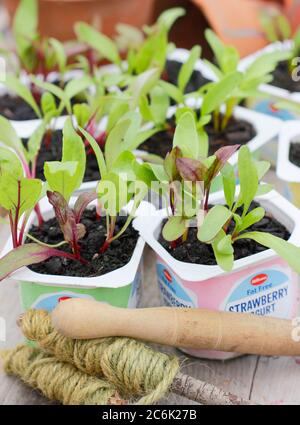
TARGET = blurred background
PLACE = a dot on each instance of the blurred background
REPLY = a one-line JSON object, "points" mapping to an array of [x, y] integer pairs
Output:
{"points": [[235, 21]]}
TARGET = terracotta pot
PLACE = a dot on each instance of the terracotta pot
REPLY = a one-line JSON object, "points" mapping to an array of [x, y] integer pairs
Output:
{"points": [[57, 17]]}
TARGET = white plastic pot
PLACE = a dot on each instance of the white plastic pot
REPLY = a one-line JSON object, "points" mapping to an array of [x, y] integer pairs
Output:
{"points": [[262, 284], [286, 170], [120, 287]]}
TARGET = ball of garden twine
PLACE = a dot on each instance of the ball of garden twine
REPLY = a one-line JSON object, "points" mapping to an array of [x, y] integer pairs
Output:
{"points": [[134, 368], [57, 380]]}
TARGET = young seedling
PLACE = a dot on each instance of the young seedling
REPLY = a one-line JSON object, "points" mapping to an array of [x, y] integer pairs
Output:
{"points": [[36, 54], [227, 60], [142, 56], [186, 176], [116, 107], [277, 28], [119, 182], [214, 229]]}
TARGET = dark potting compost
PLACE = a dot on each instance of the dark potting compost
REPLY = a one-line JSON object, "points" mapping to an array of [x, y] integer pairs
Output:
{"points": [[51, 150], [236, 132], [15, 108], [196, 81], [117, 255], [196, 252], [294, 153], [282, 78]]}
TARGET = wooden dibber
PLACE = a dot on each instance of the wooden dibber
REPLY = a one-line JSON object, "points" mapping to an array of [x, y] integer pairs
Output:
{"points": [[178, 327]]}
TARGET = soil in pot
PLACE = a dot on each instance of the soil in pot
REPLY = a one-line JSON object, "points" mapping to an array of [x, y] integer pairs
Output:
{"points": [[172, 70], [15, 108], [282, 78], [237, 132], [196, 252], [117, 255], [51, 150], [294, 153]]}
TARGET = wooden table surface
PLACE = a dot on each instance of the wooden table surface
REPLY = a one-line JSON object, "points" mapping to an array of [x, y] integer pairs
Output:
{"points": [[273, 380]]}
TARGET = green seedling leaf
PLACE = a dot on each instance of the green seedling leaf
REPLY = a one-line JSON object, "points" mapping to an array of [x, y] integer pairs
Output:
{"points": [[264, 64], [167, 18], [16, 86], [115, 114], [123, 165], [215, 44], [160, 103], [35, 141], [251, 218], [98, 153], [142, 84], [172, 91], [248, 178], [76, 86], [262, 167], [48, 106], [25, 25], [129, 36], [174, 228], [203, 143], [263, 189], [82, 113], [62, 177], [55, 90], [10, 138], [229, 184], [223, 250], [186, 136], [227, 56], [215, 219], [219, 92], [10, 163], [143, 173], [112, 193], [98, 41], [74, 151], [18, 195], [60, 54], [289, 252], [170, 165], [188, 68], [114, 142]]}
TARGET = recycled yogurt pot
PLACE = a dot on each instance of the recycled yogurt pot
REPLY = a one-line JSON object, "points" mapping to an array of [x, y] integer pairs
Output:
{"points": [[286, 170], [120, 288], [261, 284]]}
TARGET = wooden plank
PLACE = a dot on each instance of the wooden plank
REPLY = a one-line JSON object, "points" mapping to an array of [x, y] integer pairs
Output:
{"points": [[277, 381]]}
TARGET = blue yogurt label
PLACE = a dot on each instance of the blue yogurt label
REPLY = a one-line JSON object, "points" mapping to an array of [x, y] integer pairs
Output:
{"points": [[172, 292], [265, 293]]}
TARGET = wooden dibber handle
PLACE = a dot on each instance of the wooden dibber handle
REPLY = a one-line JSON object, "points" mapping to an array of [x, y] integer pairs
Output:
{"points": [[179, 327]]}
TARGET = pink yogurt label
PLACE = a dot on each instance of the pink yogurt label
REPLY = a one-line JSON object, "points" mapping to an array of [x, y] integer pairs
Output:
{"points": [[269, 288]]}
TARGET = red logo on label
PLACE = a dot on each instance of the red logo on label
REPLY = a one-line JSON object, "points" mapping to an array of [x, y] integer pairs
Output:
{"points": [[167, 275], [63, 299], [259, 279]]}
